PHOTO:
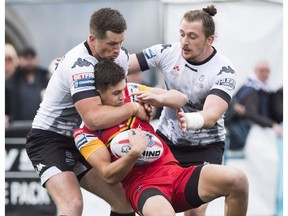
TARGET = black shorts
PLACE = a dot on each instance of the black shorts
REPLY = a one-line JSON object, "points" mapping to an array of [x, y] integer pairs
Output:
{"points": [[196, 155], [52, 153]]}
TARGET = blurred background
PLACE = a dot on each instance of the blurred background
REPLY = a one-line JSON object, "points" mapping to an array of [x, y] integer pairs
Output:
{"points": [[246, 31]]}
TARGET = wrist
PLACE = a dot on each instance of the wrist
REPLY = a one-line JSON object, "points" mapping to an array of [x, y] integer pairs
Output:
{"points": [[195, 120]]}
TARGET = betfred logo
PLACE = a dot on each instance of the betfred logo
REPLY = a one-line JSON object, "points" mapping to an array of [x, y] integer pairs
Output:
{"points": [[82, 76]]}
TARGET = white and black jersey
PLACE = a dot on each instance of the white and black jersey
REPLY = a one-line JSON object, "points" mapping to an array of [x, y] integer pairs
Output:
{"points": [[72, 81], [197, 80]]}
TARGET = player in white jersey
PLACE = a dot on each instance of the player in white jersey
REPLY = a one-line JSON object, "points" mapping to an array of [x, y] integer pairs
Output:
{"points": [[70, 97], [194, 67]]}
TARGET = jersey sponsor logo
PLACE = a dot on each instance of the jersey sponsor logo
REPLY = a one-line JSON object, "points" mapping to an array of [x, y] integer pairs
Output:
{"points": [[149, 53], [82, 63], [193, 69], [84, 82], [165, 46], [82, 76], [231, 83], [227, 69]]}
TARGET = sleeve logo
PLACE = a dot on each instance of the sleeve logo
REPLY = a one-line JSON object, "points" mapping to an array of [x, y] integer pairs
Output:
{"points": [[226, 70], [82, 63]]}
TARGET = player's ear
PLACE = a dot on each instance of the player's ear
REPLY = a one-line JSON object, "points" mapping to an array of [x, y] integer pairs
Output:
{"points": [[210, 39], [91, 37]]}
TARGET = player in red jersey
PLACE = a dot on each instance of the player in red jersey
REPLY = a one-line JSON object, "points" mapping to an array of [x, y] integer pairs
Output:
{"points": [[161, 187]]}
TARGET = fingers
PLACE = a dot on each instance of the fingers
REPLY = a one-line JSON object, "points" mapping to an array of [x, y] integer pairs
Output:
{"points": [[149, 111], [137, 136], [143, 95], [182, 122]]}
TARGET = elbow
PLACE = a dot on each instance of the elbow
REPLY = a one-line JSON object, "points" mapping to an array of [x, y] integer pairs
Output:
{"points": [[183, 100], [93, 124], [210, 123]]}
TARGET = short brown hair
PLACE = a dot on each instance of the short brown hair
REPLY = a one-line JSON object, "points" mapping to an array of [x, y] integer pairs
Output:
{"points": [[205, 15], [106, 19]]}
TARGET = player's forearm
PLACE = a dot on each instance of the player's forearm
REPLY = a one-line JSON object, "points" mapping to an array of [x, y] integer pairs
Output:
{"points": [[117, 171], [174, 99], [109, 116]]}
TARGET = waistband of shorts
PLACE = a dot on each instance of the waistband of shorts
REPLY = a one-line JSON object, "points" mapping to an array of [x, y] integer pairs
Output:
{"points": [[185, 147], [48, 132]]}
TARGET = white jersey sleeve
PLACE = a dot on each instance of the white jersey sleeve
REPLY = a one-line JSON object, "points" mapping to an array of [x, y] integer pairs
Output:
{"points": [[197, 80], [72, 81]]}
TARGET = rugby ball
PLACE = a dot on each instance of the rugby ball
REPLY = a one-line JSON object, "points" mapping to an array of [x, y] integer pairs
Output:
{"points": [[120, 146]]}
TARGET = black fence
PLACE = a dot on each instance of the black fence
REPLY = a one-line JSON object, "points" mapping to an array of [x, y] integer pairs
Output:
{"points": [[24, 194]]}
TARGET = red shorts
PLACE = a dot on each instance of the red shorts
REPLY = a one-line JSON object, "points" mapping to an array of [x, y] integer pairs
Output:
{"points": [[167, 180]]}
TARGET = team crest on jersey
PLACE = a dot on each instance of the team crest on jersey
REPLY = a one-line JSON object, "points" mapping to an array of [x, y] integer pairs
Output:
{"points": [[175, 71], [149, 53], [199, 84], [227, 69], [231, 83], [82, 63]]}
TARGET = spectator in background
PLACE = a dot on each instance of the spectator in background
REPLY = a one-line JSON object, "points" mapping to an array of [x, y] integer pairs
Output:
{"points": [[250, 105], [11, 62], [28, 80]]}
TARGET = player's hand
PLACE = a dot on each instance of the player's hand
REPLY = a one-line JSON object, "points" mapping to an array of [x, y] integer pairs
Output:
{"points": [[182, 121], [149, 97], [144, 112], [138, 141]]}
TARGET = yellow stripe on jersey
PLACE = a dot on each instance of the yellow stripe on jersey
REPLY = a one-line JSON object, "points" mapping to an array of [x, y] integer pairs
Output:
{"points": [[91, 147], [115, 134], [144, 88], [129, 124]]}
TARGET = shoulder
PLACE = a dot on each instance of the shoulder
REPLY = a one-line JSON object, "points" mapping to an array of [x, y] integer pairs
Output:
{"points": [[163, 48], [77, 58]]}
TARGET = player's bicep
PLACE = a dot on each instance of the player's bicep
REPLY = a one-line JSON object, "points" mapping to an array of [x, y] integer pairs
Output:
{"points": [[133, 64]]}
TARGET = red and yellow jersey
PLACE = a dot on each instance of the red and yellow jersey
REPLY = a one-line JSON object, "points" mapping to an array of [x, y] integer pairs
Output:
{"points": [[90, 141]]}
